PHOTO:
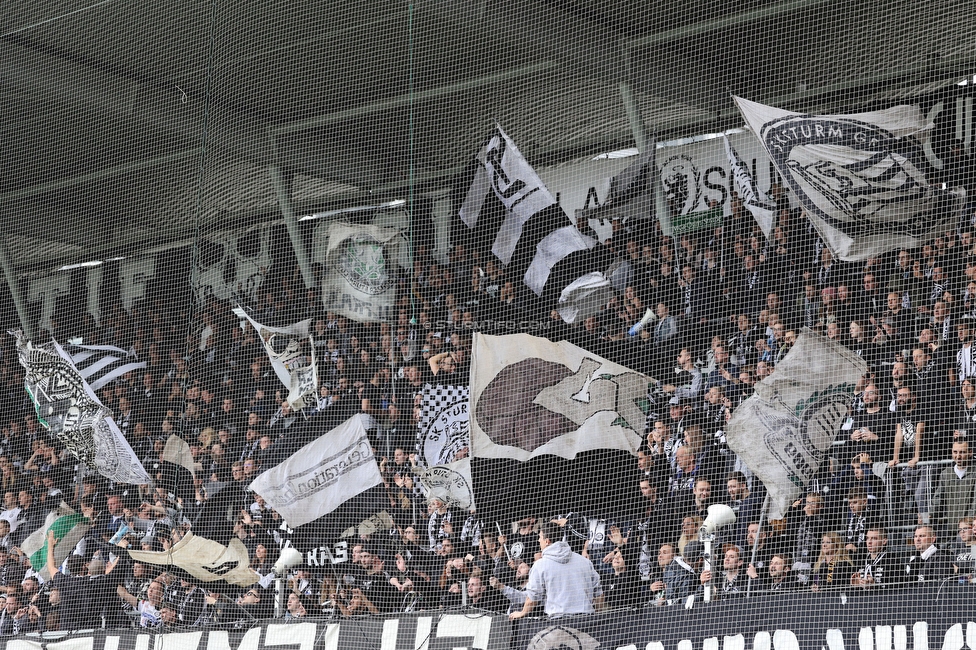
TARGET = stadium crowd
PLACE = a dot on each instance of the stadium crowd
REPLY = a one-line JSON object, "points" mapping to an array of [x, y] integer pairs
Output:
{"points": [[727, 304]]}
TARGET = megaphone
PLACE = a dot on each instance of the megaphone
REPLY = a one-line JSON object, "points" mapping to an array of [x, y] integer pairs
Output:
{"points": [[289, 557], [719, 516], [637, 327]]}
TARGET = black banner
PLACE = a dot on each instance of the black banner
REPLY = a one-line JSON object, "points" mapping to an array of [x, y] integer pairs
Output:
{"points": [[916, 619], [446, 630]]}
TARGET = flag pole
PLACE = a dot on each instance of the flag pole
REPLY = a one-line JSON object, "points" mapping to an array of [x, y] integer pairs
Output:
{"points": [[755, 543]]}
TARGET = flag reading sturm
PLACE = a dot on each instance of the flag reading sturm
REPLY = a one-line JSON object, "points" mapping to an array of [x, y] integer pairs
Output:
{"points": [[444, 444], [745, 187], [784, 431], [859, 177], [322, 475], [292, 354], [68, 407]]}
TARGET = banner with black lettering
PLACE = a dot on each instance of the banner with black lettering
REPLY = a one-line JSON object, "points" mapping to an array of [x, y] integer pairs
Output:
{"points": [[762, 210], [444, 444], [360, 281], [860, 178], [322, 475]]}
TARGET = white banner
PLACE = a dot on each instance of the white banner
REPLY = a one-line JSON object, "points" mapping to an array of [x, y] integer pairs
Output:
{"points": [[859, 177], [322, 475], [292, 354], [359, 281], [784, 431], [451, 483], [531, 396]]}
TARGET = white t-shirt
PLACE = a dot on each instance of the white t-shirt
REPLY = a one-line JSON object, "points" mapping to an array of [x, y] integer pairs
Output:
{"points": [[150, 615]]}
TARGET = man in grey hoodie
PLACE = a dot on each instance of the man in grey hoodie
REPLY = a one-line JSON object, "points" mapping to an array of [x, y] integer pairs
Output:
{"points": [[566, 581]]}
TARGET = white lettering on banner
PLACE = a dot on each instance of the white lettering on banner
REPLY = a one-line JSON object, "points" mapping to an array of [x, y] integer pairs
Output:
{"points": [[389, 639], [457, 625], [220, 640], [302, 635], [835, 639], [323, 555], [477, 631], [422, 638], [330, 640], [920, 636], [180, 641]]}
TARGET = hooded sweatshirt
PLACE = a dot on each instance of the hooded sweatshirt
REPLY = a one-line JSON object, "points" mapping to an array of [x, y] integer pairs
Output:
{"points": [[566, 581]]}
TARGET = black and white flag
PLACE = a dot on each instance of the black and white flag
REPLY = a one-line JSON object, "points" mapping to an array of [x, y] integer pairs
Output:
{"points": [[745, 186], [322, 475], [68, 407], [99, 365], [204, 560], [859, 177], [360, 282], [292, 354], [507, 205], [504, 173], [444, 444]]}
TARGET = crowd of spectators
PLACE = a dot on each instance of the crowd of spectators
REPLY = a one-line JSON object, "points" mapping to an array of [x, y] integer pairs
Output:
{"points": [[727, 304]]}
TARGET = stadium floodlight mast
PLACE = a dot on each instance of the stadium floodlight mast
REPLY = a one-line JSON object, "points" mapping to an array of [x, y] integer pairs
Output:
{"points": [[719, 516]]}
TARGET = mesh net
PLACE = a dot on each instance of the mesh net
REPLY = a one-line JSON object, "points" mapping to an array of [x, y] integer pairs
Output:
{"points": [[409, 319]]}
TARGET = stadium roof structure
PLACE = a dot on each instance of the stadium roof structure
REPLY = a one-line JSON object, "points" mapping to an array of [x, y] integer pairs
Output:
{"points": [[130, 124]]}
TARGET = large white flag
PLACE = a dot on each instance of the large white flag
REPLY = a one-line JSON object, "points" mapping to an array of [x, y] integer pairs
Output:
{"points": [[68, 407], [322, 475], [784, 431], [292, 354], [531, 396], [745, 187], [859, 177], [360, 282]]}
